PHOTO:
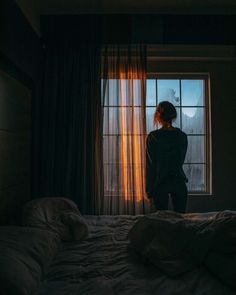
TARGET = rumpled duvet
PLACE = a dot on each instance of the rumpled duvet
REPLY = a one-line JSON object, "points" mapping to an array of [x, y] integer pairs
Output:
{"points": [[105, 264], [177, 243]]}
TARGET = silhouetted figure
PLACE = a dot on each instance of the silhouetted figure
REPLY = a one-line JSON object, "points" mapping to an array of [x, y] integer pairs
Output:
{"points": [[165, 153]]}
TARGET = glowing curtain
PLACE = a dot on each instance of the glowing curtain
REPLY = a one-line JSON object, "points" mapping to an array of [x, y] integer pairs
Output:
{"points": [[123, 92]]}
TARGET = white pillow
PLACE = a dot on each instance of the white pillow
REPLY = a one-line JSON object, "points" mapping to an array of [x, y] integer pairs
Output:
{"points": [[59, 215]]}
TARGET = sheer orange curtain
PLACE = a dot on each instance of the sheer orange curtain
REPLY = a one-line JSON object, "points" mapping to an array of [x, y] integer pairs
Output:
{"points": [[124, 129]]}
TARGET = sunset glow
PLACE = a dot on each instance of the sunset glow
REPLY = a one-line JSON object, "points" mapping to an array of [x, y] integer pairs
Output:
{"points": [[130, 153]]}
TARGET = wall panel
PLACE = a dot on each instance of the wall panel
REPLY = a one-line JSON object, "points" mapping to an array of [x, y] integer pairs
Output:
{"points": [[15, 114]]}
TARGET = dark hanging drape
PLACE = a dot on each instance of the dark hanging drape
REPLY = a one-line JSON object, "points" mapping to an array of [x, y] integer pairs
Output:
{"points": [[70, 153]]}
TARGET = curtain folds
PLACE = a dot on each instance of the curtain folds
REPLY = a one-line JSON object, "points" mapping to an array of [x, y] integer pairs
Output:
{"points": [[70, 157], [124, 129], [92, 122]]}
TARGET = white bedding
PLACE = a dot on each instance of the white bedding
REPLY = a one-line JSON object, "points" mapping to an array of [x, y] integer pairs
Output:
{"points": [[178, 243], [105, 264]]}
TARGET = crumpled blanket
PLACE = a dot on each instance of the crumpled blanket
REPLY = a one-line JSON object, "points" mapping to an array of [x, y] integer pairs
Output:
{"points": [[58, 215], [177, 243]]}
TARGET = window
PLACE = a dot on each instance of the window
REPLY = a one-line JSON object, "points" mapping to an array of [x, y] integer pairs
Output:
{"points": [[190, 95], [123, 139]]}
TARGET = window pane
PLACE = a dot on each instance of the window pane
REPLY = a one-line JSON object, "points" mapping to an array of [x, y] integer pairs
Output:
{"points": [[193, 120], [134, 175], [176, 122], [122, 92], [192, 92], [113, 180], [135, 96], [151, 93], [111, 92], [111, 149], [122, 120], [111, 120], [196, 149], [168, 90], [122, 148], [196, 177], [112, 184], [130, 149], [149, 118], [136, 119]]}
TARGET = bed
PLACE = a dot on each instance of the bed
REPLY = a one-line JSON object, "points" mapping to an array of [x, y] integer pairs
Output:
{"points": [[105, 263]]}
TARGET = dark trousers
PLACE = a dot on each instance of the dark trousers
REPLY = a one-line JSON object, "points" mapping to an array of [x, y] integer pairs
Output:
{"points": [[177, 190]]}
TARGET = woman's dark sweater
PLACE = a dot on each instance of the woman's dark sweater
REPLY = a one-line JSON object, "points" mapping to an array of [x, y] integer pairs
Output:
{"points": [[165, 154]]}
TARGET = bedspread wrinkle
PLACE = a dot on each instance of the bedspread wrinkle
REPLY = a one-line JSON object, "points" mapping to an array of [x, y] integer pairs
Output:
{"points": [[177, 243]]}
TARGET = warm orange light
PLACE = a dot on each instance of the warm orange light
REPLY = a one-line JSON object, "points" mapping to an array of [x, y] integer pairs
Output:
{"points": [[131, 146], [137, 150], [124, 141]]}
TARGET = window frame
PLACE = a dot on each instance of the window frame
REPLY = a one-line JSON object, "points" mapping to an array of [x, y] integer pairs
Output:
{"points": [[207, 113]]}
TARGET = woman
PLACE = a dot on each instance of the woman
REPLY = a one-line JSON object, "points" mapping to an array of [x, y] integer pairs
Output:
{"points": [[165, 153]]}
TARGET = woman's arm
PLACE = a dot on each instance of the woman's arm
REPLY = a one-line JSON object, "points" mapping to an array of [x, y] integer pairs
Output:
{"points": [[185, 147]]}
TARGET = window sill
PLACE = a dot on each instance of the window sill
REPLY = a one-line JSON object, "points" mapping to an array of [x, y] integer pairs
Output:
{"points": [[200, 195]]}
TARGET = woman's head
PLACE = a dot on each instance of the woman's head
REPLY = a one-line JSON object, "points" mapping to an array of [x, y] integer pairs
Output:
{"points": [[165, 113]]}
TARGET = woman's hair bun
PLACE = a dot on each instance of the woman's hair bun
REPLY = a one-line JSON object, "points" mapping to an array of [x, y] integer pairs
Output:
{"points": [[166, 110]]}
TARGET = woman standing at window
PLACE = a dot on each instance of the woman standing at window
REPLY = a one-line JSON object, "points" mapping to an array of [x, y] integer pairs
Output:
{"points": [[165, 153]]}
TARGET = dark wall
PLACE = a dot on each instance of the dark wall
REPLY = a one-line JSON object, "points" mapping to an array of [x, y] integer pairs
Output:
{"points": [[156, 29], [21, 56], [18, 41], [15, 113]]}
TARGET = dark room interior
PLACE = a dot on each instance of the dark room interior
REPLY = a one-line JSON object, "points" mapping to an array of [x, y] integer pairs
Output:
{"points": [[69, 155]]}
